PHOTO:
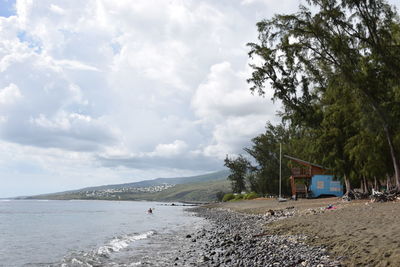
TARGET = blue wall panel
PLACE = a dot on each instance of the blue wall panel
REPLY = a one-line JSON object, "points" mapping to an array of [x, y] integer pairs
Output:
{"points": [[325, 185]]}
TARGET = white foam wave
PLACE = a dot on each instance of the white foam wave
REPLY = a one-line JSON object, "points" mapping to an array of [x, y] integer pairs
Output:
{"points": [[76, 262], [121, 242]]}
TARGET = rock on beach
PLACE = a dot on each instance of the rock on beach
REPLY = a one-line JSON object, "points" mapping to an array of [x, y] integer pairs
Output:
{"points": [[238, 239]]}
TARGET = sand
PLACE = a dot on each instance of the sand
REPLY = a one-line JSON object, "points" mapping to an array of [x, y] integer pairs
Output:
{"points": [[359, 233]]}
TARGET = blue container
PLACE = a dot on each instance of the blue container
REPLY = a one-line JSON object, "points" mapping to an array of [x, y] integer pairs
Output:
{"points": [[325, 185]]}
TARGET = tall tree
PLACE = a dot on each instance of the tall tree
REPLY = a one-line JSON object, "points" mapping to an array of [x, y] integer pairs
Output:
{"points": [[265, 152], [239, 168], [337, 127], [353, 42]]}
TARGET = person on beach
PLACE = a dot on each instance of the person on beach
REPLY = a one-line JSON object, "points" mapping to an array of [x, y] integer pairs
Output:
{"points": [[150, 211]]}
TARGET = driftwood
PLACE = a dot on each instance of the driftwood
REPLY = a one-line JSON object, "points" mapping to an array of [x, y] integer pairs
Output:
{"points": [[351, 195], [377, 196]]}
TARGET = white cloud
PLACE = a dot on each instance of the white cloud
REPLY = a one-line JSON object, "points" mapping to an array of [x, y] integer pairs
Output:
{"points": [[72, 64], [108, 89], [170, 150], [10, 94], [57, 9], [225, 93], [223, 102]]}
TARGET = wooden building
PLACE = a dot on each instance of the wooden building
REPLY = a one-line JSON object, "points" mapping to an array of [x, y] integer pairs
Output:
{"points": [[310, 175]]}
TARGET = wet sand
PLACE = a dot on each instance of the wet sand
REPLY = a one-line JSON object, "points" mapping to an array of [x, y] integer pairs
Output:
{"points": [[359, 233]]}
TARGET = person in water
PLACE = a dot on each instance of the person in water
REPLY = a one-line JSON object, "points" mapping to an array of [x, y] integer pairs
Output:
{"points": [[150, 211]]}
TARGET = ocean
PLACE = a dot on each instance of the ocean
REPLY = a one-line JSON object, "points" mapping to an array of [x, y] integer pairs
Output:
{"points": [[89, 233]]}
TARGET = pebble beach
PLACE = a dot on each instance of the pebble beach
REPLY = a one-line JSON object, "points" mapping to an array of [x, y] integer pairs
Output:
{"points": [[237, 239], [303, 233]]}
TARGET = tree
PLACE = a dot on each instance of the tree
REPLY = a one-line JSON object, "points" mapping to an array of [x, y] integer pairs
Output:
{"points": [[265, 152], [337, 127], [238, 168], [354, 43]]}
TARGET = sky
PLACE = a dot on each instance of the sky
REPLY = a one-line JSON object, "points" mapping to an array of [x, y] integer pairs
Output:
{"points": [[105, 92]]}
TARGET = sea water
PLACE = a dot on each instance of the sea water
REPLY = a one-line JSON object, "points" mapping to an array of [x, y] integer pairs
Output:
{"points": [[84, 233]]}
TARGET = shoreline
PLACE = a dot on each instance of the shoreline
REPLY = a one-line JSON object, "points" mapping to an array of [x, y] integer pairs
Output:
{"points": [[264, 232], [349, 233], [229, 238]]}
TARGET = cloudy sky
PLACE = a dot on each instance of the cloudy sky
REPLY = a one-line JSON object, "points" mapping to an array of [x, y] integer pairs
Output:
{"points": [[101, 92]]}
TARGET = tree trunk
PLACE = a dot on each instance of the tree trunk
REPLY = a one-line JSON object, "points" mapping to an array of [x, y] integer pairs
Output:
{"points": [[347, 184], [388, 134], [396, 166], [362, 185], [366, 185]]}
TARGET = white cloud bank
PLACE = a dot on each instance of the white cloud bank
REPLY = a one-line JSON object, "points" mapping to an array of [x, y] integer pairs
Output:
{"points": [[105, 91]]}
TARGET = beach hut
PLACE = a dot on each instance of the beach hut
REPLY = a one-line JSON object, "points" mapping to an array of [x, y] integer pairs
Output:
{"points": [[313, 180]]}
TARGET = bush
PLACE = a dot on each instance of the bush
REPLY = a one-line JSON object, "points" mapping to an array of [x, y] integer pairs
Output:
{"points": [[238, 197], [228, 197], [251, 195]]}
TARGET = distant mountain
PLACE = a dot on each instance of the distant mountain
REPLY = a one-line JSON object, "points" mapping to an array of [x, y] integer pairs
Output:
{"points": [[193, 188], [193, 192], [159, 181]]}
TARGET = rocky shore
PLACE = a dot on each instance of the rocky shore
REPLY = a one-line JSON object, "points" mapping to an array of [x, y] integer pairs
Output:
{"points": [[237, 239]]}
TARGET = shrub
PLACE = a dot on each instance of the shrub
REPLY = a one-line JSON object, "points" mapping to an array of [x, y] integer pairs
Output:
{"points": [[228, 197], [251, 195], [238, 197]]}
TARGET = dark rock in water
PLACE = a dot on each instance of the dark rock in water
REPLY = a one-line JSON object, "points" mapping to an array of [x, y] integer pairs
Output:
{"points": [[188, 236]]}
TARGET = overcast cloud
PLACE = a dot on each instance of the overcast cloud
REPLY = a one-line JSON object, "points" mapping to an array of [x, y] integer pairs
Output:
{"points": [[101, 92]]}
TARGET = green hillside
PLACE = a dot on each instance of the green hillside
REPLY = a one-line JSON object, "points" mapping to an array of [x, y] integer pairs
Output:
{"points": [[201, 188], [220, 175], [196, 192]]}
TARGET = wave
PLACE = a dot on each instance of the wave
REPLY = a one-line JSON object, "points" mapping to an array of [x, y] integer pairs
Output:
{"points": [[121, 242], [101, 255]]}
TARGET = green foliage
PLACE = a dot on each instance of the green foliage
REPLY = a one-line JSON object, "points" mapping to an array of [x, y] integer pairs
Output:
{"points": [[238, 197], [251, 195], [262, 176], [228, 197], [239, 168], [334, 66], [265, 152]]}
